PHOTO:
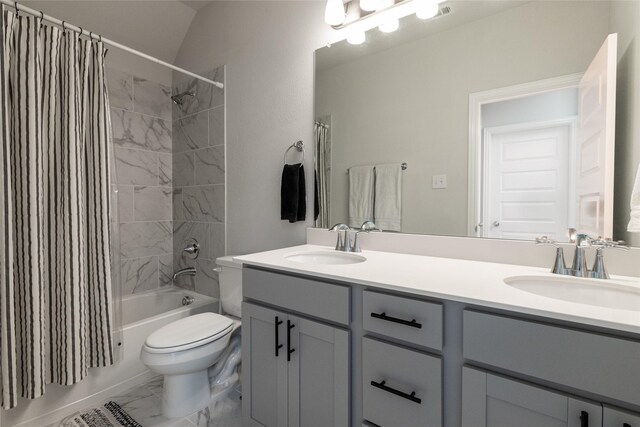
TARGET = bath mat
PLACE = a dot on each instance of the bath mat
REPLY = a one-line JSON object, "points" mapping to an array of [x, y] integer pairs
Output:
{"points": [[110, 415]]}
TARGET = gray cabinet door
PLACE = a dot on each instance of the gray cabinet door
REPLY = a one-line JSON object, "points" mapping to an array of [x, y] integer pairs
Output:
{"points": [[264, 375], [318, 375], [493, 401], [614, 417]]}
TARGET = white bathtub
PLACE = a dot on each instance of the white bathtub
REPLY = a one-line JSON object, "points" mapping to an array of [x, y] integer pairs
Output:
{"points": [[141, 315]]}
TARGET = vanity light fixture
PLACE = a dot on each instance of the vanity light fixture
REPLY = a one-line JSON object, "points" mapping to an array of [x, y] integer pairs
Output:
{"points": [[370, 5], [334, 13], [428, 10], [386, 16], [356, 37]]}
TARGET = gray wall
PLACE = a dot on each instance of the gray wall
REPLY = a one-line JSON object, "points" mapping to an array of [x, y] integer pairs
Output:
{"points": [[141, 123], [411, 103], [267, 47], [625, 16], [199, 179]]}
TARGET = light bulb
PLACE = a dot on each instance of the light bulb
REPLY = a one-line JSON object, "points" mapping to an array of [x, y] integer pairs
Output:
{"points": [[428, 10], [334, 12], [369, 5], [356, 37], [389, 26]]}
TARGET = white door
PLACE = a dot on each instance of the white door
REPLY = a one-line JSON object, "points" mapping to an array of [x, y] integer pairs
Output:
{"points": [[526, 180], [596, 142]]}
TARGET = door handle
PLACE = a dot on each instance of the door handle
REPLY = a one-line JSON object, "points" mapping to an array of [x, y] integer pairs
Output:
{"points": [[290, 350], [278, 322], [383, 316], [382, 385], [584, 419]]}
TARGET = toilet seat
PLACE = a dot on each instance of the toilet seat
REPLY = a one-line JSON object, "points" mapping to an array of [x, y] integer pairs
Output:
{"points": [[189, 332]]}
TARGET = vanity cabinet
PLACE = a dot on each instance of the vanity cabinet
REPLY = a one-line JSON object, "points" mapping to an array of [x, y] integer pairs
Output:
{"points": [[298, 373], [492, 401], [614, 417], [295, 358]]}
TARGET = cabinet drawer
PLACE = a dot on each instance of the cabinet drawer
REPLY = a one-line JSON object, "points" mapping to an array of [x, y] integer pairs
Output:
{"points": [[415, 321], [311, 297], [564, 356], [390, 375], [614, 417]]}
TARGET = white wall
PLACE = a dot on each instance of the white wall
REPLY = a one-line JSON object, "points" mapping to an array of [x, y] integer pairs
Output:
{"points": [[267, 47], [155, 28], [625, 16], [410, 103]]}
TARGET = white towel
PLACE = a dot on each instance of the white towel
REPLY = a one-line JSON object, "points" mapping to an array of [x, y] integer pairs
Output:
{"points": [[361, 182], [634, 221], [388, 197]]}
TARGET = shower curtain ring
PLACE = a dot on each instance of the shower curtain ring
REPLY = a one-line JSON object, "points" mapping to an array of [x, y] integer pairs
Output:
{"points": [[64, 29], [81, 30], [15, 5]]}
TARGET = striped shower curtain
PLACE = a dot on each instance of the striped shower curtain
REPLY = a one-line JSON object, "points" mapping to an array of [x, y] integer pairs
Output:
{"points": [[55, 281]]}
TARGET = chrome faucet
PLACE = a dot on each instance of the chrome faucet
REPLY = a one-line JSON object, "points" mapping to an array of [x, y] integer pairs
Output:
{"points": [[342, 244], [579, 266], [366, 227], [189, 271]]}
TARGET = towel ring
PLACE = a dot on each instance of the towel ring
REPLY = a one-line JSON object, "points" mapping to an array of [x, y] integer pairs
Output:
{"points": [[298, 145]]}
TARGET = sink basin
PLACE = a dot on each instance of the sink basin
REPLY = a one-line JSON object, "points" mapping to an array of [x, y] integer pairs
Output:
{"points": [[600, 293], [325, 258]]}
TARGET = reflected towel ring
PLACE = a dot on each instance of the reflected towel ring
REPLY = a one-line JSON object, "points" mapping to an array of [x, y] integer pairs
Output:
{"points": [[298, 145]]}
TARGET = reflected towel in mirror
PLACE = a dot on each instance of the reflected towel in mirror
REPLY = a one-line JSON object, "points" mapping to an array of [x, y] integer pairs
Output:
{"points": [[361, 183]]}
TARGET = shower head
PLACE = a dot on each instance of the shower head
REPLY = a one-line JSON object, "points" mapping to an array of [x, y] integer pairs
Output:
{"points": [[179, 98]]}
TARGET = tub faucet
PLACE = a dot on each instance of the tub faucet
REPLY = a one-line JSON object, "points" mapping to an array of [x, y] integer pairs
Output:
{"points": [[189, 271]]}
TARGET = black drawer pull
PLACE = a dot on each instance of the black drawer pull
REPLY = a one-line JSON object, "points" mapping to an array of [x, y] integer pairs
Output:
{"points": [[584, 419], [412, 397], [278, 345], [626, 425], [289, 349], [383, 316]]}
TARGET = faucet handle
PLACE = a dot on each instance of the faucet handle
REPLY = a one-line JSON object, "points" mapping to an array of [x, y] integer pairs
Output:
{"points": [[544, 240], [601, 243]]}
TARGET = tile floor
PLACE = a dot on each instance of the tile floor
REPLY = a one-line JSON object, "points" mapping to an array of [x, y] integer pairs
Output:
{"points": [[143, 404]]}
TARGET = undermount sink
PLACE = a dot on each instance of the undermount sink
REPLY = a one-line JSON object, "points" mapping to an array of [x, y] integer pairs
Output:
{"points": [[325, 258], [600, 293]]}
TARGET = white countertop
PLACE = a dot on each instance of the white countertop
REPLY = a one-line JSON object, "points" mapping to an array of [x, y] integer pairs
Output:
{"points": [[473, 282]]}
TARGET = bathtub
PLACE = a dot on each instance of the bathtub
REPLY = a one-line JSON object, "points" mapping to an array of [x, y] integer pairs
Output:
{"points": [[141, 315]]}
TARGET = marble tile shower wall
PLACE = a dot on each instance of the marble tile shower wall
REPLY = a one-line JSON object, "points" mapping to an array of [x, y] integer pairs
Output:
{"points": [[199, 179], [141, 116]]}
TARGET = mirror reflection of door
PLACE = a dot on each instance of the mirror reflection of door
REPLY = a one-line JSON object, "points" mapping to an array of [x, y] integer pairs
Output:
{"points": [[547, 157], [526, 179], [596, 142]]}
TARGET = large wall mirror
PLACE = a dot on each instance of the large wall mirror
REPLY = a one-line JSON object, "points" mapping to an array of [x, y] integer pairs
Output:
{"points": [[497, 119]]}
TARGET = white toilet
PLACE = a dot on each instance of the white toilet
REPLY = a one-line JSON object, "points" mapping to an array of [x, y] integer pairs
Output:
{"points": [[184, 350]]}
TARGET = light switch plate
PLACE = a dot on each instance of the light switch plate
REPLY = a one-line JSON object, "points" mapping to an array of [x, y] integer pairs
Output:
{"points": [[439, 182]]}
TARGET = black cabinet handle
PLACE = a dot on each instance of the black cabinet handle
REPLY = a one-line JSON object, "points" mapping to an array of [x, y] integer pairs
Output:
{"points": [[382, 386], [383, 316], [584, 419], [626, 425], [290, 350], [278, 345]]}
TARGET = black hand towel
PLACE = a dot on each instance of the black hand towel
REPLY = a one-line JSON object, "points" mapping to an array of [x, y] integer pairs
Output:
{"points": [[293, 197]]}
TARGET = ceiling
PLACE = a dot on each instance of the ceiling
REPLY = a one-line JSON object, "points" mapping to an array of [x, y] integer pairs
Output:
{"points": [[153, 27]]}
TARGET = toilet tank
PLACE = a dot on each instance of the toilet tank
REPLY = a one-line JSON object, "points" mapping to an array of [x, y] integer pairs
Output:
{"points": [[230, 279]]}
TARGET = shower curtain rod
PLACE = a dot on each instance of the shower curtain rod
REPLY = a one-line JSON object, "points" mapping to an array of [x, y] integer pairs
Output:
{"points": [[65, 25]]}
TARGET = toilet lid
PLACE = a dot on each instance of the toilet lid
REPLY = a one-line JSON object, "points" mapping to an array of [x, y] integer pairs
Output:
{"points": [[199, 329]]}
